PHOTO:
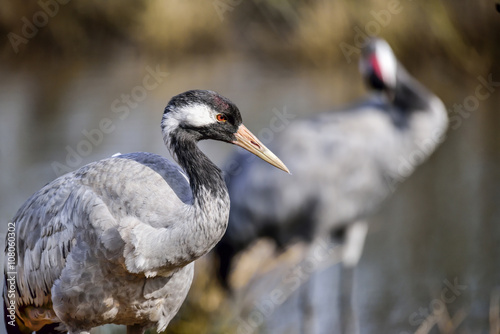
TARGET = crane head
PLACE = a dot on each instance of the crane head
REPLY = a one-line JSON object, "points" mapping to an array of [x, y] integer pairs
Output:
{"points": [[202, 114], [378, 65]]}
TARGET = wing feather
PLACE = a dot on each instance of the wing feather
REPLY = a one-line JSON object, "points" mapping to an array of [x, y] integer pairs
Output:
{"points": [[41, 235], [91, 201]]}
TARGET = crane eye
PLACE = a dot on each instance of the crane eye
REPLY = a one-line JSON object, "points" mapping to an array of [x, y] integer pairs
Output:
{"points": [[221, 117]]}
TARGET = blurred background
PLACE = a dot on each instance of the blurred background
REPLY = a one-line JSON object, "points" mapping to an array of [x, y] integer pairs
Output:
{"points": [[82, 80]]}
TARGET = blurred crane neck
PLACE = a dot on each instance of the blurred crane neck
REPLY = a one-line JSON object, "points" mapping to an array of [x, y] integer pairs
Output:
{"points": [[409, 94]]}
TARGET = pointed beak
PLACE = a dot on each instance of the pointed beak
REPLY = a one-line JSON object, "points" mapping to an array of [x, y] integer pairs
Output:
{"points": [[245, 139]]}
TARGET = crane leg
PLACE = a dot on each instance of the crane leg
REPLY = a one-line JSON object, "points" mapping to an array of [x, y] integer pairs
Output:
{"points": [[352, 250], [354, 243], [347, 313], [335, 268]]}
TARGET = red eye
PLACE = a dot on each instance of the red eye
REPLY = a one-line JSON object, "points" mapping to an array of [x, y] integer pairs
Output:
{"points": [[221, 117]]}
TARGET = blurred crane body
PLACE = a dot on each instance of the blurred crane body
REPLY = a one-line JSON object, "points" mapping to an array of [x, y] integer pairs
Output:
{"points": [[344, 164]]}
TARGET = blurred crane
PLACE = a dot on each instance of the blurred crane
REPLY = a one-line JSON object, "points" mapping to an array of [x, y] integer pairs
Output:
{"points": [[115, 241], [344, 164]]}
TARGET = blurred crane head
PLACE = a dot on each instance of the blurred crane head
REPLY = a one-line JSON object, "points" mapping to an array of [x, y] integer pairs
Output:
{"points": [[378, 65]]}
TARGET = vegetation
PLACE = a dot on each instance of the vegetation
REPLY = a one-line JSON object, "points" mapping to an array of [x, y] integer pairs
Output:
{"points": [[309, 32]]}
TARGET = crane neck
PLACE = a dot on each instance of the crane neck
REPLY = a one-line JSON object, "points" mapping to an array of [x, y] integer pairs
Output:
{"points": [[409, 94], [205, 178], [421, 114]]}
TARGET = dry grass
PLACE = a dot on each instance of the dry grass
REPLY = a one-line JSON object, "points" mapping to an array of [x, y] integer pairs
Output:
{"points": [[175, 28], [445, 323], [286, 32]]}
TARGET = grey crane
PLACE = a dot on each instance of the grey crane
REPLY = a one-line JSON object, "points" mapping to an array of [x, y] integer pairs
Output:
{"points": [[115, 241], [344, 163]]}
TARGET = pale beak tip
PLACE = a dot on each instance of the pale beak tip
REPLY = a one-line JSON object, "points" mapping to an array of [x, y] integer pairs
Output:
{"points": [[248, 141], [276, 162]]}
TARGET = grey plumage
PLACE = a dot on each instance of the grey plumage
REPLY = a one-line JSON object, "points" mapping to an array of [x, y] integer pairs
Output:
{"points": [[344, 163], [115, 241]]}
